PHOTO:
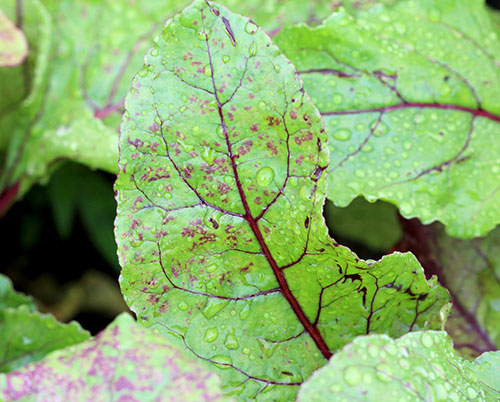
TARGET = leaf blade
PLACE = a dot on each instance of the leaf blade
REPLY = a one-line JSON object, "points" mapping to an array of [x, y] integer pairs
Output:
{"points": [[219, 221], [408, 118]]}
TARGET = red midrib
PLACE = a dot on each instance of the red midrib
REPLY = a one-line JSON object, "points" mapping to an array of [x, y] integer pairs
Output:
{"points": [[421, 105], [280, 277]]}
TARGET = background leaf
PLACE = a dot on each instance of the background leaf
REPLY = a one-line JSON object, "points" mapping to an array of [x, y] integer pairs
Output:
{"points": [[219, 223], [470, 270], [13, 45], [125, 362], [409, 95], [418, 366], [28, 335]]}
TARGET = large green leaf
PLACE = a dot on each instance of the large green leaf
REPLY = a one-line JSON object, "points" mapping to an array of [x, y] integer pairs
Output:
{"points": [[409, 95], [420, 366], [13, 45], [219, 225], [123, 363]]}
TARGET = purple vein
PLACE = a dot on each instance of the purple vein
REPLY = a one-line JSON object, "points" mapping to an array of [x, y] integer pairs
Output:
{"points": [[419, 105]]}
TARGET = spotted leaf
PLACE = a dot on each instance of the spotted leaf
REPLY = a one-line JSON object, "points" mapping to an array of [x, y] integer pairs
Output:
{"points": [[219, 225], [124, 362]]}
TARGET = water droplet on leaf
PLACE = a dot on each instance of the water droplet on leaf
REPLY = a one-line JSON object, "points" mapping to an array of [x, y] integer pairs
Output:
{"points": [[265, 176]]}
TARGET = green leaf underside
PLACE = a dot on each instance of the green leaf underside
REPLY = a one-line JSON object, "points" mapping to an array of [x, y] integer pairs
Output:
{"points": [[409, 96], [123, 363], [421, 366], [219, 224], [471, 272], [13, 45]]}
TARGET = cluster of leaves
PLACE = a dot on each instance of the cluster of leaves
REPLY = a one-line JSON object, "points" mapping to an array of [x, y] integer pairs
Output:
{"points": [[227, 154]]}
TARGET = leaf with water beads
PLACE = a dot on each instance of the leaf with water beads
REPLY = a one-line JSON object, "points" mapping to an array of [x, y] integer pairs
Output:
{"points": [[420, 366], [409, 96], [219, 227]]}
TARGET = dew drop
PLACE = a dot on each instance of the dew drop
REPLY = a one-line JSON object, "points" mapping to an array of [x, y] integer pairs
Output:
{"points": [[245, 350], [226, 58], [338, 98], [384, 372], [342, 134], [183, 305], [379, 129], [306, 193], [211, 334], [335, 389], [352, 375], [265, 176], [471, 392], [224, 361], [208, 70], [201, 35], [211, 268], [231, 342], [252, 49], [251, 28], [208, 155], [426, 340], [220, 131]]}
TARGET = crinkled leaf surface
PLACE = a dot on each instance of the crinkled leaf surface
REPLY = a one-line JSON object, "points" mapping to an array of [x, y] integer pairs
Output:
{"points": [[13, 45], [409, 96], [123, 363], [219, 225], [28, 336], [421, 366], [373, 225]]}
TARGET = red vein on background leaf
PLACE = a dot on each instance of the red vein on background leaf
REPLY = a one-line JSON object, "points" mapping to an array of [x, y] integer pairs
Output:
{"points": [[418, 105]]}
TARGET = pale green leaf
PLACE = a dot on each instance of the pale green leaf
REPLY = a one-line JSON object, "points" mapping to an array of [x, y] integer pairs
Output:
{"points": [[219, 226], [123, 363], [421, 366], [409, 96]]}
